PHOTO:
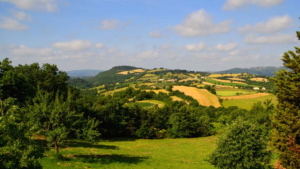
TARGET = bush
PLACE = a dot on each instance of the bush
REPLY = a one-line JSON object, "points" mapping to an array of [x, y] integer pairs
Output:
{"points": [[241, 146]]}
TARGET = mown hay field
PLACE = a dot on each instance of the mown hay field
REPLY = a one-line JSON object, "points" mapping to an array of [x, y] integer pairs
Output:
{"points": [[259, 79], [247, 103], [156, 70], [229, 81], [203, 96], [249, 96], [227, 74], [131, 71], [189, 153], [236, 79], [159, 90]]}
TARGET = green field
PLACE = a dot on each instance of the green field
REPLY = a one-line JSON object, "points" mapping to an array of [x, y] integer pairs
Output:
{"points": [[228, 84], [232, 92], [145, 103], [186, 153], [247, 103]]}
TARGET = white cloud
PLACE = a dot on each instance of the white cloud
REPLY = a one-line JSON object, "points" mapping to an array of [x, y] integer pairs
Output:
{"points": [[25, 51], [274, 24], [271, 39], [75, 45], [155, 34], [235, 53], [20, 15], [149, 54], [227, 47], [201, 23], [45, 5], [12, 24], [234, 4], [113, 24], [165, 46], [99, 45], [195, 47]]}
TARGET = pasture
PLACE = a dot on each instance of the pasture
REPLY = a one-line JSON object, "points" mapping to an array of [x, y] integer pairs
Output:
{"points": [[146, 103], [203, 96], [246, 103], [233, 92], [134, 154]]}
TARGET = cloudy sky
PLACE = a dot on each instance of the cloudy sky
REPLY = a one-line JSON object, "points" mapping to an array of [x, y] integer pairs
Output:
{"points": [[175, 34]]}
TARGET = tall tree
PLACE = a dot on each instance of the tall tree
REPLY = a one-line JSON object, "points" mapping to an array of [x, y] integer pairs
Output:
{"points": [[286, 123], [57, 118]]}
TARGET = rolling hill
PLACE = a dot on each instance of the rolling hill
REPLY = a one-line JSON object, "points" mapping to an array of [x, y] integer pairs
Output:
{"points": [[267, 71]]}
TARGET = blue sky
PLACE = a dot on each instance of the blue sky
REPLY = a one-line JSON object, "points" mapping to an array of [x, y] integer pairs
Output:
{"points": [[183, 34]]}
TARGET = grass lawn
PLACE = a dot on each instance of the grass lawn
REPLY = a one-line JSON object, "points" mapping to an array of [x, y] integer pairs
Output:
{"points": [[186, 153], [247, 103]]}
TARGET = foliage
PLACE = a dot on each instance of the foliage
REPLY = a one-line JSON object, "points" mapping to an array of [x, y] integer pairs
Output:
{"points": [[57, 118], [17, 149], [286, 132], [243, 145]]}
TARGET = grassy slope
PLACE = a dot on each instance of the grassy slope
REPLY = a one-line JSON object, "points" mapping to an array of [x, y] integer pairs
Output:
{"points": [[135, 154], [247, 103]]}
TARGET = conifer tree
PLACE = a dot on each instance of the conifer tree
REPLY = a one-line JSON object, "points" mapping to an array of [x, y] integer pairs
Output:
{"points": [[286, 120]]}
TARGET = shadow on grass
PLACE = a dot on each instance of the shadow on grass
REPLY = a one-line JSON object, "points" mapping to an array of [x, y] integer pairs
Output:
{"points": [[112, 158], [88, 145]]}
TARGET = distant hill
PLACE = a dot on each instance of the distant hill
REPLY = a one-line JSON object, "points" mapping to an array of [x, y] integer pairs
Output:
{"points": [[267, 71], [111, 76], [86, 72]]}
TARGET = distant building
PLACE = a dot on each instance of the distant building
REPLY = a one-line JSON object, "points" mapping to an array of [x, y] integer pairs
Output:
{"points": [[263, 88], [255, 88]]}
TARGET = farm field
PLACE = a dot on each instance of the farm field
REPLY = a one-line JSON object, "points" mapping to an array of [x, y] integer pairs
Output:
{"points": [[159, 90], [145, 103], [131, 71], [247, 103], [228, 81], [233, 92], [259, 79], [249, 96], [227, 74], [186, 153], [203, 96]]}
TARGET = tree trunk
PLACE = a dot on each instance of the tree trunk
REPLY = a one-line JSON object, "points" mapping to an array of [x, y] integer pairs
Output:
{"points": [[56, 148]]}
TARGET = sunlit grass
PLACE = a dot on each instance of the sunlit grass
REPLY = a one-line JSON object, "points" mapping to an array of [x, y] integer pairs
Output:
{"points": [[135, 154]]}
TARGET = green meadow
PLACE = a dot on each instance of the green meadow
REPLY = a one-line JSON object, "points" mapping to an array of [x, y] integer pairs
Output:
{"points": [[233, 92], [186, 153], [247, 103]]}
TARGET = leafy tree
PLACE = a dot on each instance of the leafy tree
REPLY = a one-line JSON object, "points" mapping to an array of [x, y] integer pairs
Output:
{"points": [[286, 123], [57, 119], [241, 146], [17, 149]]}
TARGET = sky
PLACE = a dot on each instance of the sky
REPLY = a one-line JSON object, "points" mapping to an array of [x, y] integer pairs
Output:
{"points": [[197, 35]]}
